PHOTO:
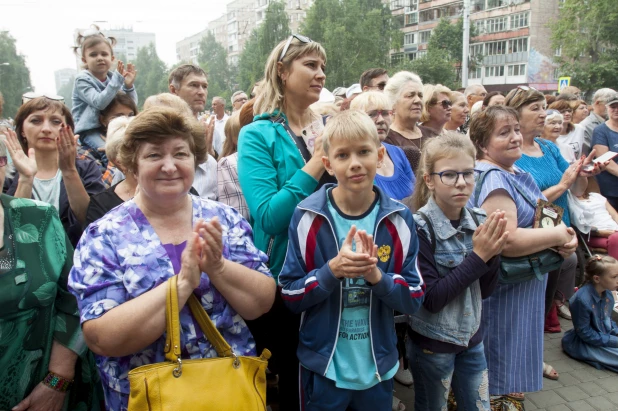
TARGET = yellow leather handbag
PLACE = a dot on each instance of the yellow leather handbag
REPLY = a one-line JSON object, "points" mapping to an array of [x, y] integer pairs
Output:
{"points": [[228, 382]]}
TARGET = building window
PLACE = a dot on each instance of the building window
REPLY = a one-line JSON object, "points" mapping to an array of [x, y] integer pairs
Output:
{"points": [[421, 54], [396, 4], [476, 50], [412, 56], [517, 70], [496, 25], [411, 18], [494, 71], [424, 36], [409, 38], [558, 52], [475, 73], [412, 6], [396, 58], [496, 3], [495, 48], [519, 20], [518, 45]]}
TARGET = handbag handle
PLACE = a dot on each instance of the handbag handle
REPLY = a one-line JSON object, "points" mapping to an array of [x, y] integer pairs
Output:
{"points": [[172, 338]]}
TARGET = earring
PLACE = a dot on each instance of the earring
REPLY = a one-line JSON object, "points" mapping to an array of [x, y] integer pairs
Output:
{"points": [[379, 164]]}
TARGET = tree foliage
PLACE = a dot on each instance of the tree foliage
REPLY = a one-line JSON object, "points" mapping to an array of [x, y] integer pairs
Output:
{"points": [[152, 73], [585, 31], [436, 67], [212, 57], [14, 76], [449, 37], [262, 41], [356, 34]]}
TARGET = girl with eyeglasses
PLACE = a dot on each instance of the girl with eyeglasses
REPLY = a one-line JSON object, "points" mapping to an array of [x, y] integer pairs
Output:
{"points": [[437, 107], [458, 249]]}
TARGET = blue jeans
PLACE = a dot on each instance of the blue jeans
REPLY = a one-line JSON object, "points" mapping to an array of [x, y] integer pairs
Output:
{"points": [[92, 140], [318, 393], [435, 373]]}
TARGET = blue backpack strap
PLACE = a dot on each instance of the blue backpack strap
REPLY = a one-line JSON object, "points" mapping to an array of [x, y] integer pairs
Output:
{"points": [[432, 233]]}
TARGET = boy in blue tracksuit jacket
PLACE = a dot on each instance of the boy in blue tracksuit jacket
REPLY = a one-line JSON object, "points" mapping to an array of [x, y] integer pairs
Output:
{"points": [[351, 261]]}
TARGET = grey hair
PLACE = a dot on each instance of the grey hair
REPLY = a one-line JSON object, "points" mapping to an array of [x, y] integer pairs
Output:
{"points": [[219, 99], [603, 95], [554, 115], [471, 89], [395, 84], [115, 137], [237, 93]]}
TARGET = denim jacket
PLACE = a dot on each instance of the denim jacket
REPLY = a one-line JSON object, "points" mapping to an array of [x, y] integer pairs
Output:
{"points": [[90, 96], [460, 319]]}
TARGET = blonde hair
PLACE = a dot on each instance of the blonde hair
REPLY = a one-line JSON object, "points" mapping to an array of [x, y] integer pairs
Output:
{"points": [[168, 100], [115, 137], [395, 84], [270, 96], [231, 131], [450, 145], [324, 108], [371, 99], [430, 98], [350, 125]]}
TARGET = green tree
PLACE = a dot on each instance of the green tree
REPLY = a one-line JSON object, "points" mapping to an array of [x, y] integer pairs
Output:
{"points": [[212, 57], [66, 91], [14, 75], [273, 29], [436, 67], [449, 37], [152, 73], [585, 32], [357, 35]]}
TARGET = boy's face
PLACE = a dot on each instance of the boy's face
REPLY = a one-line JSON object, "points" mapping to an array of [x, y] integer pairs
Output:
{"points": [[353, 163]]}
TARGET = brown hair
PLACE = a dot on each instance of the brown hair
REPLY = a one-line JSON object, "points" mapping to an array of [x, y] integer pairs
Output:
{"points": [[483, 123], [549, 99], [597, 265], [246, 113], [168, 100], [489, 96], [92, 40], [179, 73], [120, 99], [562, 105], [369, 75], [231, 130], [520, 97], [156, 125], [450, 145], [37, 104]]}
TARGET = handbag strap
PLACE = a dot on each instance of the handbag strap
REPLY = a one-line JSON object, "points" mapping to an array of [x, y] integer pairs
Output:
{"points": [[300, 143], [481, 179], [172, 338]]}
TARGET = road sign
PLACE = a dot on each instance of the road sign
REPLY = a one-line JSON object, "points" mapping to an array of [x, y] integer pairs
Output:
{"points": [[563, 82]]}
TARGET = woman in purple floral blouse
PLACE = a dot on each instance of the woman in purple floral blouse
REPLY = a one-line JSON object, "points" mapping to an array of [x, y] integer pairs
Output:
{"points": [[124, 259]]}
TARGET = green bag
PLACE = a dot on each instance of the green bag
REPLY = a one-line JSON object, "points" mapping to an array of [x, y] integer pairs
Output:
{"points": [[519, 269]]}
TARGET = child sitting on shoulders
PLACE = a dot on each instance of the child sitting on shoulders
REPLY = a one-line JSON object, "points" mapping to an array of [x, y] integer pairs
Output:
{"points": [[351, 261], [594, 337]]}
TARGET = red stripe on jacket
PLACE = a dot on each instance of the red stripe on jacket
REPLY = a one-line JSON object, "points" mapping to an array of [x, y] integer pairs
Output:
{"points": [[397, 252]]}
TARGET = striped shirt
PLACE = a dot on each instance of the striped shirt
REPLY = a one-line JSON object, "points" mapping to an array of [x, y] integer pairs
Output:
{"points": [[228, 186]]}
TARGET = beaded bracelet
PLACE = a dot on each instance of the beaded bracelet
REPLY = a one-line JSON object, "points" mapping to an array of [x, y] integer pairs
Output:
{"points": [[57, 383]]}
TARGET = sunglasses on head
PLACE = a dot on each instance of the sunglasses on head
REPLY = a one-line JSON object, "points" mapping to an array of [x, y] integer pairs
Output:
{"points": [[298, 37], [32, 95], [526, 88]]}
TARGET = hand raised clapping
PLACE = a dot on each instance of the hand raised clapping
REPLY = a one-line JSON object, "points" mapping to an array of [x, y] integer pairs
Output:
{"points": [[359, 263], [67, 149], [24, 164], [490, 237], [129, 73]]}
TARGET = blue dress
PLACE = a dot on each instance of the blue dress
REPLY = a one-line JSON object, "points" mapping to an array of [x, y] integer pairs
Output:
{"points": [[513, 315], [594, 338], [401, 184]]}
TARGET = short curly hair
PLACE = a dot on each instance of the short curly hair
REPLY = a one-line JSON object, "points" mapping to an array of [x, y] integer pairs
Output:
{"points": [[156, 125]]}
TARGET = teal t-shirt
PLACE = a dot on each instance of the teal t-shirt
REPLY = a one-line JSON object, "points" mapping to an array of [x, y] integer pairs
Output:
{"points": [[353, 366]]}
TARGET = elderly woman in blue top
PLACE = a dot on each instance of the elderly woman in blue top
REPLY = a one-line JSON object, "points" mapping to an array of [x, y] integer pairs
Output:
{"points": [[275, 176], [124, 259], [554, 176], [513, 314]]}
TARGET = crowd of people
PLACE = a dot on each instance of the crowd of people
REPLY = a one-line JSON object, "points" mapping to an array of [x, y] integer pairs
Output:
{"points": [[374, 235]]}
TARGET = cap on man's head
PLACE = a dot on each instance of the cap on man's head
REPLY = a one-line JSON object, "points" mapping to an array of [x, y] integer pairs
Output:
{"points": [[612, 99], [353, 89]]}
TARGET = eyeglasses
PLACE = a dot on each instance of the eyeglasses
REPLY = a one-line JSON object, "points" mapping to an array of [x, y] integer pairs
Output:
{"points": [[240, 99], [450, 177], [379, 86], [3, 161], [375, 114], [31, 95], [445, 103], [298, 37]]}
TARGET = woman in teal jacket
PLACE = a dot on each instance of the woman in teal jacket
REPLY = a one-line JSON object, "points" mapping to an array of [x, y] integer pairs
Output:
{"points": [[277, 169]]}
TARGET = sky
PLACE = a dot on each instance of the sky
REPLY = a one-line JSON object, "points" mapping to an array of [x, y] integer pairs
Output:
{"points": [[44, 28]]}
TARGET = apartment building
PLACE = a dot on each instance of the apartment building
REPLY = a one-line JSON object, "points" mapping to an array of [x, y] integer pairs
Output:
{"points": [[241, 20], [187, 48], [512, 46], [63, 77]]}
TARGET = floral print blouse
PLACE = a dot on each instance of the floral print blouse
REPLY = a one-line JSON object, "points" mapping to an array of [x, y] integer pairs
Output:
{"points": [[120, 257]]}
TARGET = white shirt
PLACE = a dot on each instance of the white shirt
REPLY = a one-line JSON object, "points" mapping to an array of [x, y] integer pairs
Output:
{"points": [[573, 139], [602, 219], [219, 134], [205, 181]]}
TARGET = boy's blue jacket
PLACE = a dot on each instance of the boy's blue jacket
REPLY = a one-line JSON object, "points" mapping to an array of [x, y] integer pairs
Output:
{"points": [[310, 287]]}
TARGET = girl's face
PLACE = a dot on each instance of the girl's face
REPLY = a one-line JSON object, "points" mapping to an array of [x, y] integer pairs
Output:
{"points": [[609, 280], [305, 79], [460, 110], [441, 111], [117, 111], [532, 119], [580, 113], [41, 129], [98, 59], [409, 105], [504, 145], [452, 191]]}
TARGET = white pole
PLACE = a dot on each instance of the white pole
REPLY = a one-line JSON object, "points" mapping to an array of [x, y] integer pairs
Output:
{"points": [[466, 43]]}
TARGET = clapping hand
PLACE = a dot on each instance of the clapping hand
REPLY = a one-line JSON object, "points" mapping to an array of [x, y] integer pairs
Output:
{"points": [[67, 149], [129, 76], [211, 259], [597, 168], [24, 164], [365, 245], [490, 237], [353, 264], [571, 173]]}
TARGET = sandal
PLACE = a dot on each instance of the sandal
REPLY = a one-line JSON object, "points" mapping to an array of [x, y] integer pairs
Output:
{"points": [[398, 405], [549, 372], [517, 396]]}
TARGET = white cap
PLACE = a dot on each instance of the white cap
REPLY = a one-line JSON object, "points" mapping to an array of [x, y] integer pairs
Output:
{"points": [[353, 89], [326, 96]]}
